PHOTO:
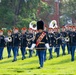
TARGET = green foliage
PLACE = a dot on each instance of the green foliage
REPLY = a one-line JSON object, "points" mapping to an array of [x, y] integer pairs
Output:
{"points": [[23, 22], [68, 7], [17, 12]]}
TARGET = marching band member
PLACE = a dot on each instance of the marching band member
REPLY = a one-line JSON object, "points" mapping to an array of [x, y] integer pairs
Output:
{"points": [[58, 41], [9, 43], [45, 30], [67, 39], [2, 44], [16, 41], [40, 42], [26, 37], [73, 42], [34, 39], [30, 40], [63, 35], [23, 42], [51, 41]]}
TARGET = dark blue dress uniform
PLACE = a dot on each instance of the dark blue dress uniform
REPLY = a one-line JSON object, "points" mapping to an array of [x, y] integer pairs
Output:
{"points": [[68, 42], [72, 44], [16, 42], [2, 45], [9, 46], [23, 43], [46, 49], [41, 41], [41, 48], [29, 42], [26, 38], [63, 45], [58, 42], [51, 43]]}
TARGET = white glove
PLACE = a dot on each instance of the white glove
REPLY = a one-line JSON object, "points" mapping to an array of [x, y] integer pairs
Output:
{"points": [[47, 46], [27, 48], [33, 46]]}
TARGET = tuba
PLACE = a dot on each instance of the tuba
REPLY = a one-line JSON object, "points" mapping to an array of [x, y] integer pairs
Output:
{"points": [[33, 25], [53, 24]]}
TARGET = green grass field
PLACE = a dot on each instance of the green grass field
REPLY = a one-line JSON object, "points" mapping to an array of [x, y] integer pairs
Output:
{"points": [[56, 66]]}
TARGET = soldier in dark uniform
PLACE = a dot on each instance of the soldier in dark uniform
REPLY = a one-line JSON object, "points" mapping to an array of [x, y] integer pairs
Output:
{"points": [[9, 43], [16, 42], [40, 42], [26, 37], [67, 38], [58, 41], [51, 41], [45, 30], [34, 39], [30, 41], [63, 35], [73, 42], [2, 44], [23, 42]]}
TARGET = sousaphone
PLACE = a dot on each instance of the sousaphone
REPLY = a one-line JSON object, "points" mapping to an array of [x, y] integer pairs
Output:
{"points": [[33, 25]]}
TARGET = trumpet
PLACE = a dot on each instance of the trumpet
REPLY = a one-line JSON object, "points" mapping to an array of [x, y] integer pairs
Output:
{"points": [[67, 39], [9, 39]]}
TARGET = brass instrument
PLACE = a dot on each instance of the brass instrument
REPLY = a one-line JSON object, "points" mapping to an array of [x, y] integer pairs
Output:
{"points": [[53, 24], [33, 25], [67, 39], [9, 39]]}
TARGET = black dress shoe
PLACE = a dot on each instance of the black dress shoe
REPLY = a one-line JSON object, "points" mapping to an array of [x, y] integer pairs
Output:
{"points": [[9, 56], [72, 59], [22, 58], [0, 58], [57, 55], [50, 58], [63, 54], [14, 60], [40, 67]]}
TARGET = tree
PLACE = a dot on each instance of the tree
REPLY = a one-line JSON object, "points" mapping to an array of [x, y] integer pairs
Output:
{"points": [[17, 12], [45, 9], [68, 7]]}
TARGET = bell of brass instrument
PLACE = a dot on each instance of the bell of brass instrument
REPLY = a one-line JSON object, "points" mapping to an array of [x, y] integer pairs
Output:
{"points": [[67, 39], [9, 39], [33, 25]]}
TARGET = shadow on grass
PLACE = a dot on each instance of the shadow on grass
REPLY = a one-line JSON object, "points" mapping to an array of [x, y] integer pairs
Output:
{"points": [[31, 62], [21, 70], [4, 62], [62, 62]]}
